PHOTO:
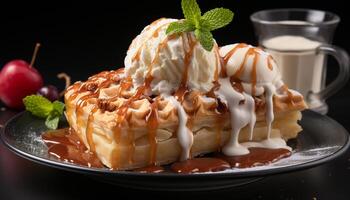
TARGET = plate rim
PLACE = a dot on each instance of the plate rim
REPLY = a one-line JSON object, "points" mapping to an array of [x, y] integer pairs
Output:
{"points": [[244, 174]]}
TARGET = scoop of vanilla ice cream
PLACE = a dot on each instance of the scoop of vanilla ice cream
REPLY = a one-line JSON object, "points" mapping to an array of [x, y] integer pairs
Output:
{"points": [[154, 49], [267, 71]]}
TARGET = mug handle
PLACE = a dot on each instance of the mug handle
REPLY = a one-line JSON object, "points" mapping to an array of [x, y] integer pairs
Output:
{"points": [[342, 57]]}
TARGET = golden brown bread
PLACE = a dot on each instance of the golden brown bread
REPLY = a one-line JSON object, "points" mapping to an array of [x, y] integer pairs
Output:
{"points": [[93, 109]]}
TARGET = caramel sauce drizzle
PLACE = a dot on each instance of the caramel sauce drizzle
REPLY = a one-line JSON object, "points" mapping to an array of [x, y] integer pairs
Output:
{"points": [[216, 84], [152, 119], [269, 62], [251, 51], [217, 60], [94, 92], [90, 129], [83, 101], [227, 57], [289, 93], [236, 84], [122, 110], [253, 74], [152, 124], [65, 145], [155, 34], [179, 94]]}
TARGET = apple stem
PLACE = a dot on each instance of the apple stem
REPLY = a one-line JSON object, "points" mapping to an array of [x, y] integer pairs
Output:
{"points": [[37, 46], [67, 79]]}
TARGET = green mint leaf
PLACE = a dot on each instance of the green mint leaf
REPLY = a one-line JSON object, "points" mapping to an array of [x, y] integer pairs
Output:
{"points": [[43, 108], [191, 10], [180, 27], [52, 121], [217, 18], [205, 38], [58, 107], [38, 105]]}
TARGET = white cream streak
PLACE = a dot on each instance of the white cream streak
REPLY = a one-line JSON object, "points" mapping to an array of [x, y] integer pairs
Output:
{"points": [[184, 134], [241, 114], [269, 91]]}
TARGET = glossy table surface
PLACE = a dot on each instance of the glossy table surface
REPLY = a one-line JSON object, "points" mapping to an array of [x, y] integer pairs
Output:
{"points": [[22, 179]]}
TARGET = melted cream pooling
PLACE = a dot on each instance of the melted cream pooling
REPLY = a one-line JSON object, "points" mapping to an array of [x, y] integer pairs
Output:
{"points": [[241, 114]]}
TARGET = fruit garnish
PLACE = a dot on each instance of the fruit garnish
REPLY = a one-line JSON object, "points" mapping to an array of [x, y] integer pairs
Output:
{"points": [[201, 25], [50, 92], [19, 79], [41, 107]]}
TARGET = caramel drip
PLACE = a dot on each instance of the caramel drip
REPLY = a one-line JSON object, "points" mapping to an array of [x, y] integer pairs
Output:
{"points": [[65, 144], [81, 103], [152, 125], [122, 110], [253, 74], [242, 66], [136, 57], [216, 84], [255, 53], [131, 145], [124, 85], [217, 60], [211, 92], [236, 84], [90, 129], [93, 93], [74, 87], [227, 57], [289, 93], [269, 62], [179, 94]]}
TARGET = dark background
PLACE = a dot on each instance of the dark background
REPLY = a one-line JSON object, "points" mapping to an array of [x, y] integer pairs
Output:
{"points": [[90, 37], [82, 39]]}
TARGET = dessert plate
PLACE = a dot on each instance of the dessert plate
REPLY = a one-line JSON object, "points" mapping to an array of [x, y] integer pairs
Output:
{"points": [[322, 140]]}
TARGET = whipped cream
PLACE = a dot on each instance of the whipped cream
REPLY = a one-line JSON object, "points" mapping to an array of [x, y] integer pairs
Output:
{"points": [[169, 64], [166, 58], [252, 66]]}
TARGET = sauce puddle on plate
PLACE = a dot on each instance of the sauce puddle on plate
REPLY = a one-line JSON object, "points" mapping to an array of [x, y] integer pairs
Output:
{"points": [[64, 144]]}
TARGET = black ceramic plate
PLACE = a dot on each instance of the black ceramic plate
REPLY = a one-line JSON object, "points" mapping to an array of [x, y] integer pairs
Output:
{"points": [[322, 140]]}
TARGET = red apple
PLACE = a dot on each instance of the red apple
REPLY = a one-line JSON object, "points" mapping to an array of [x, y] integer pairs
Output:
{"points": [[17, 80]]}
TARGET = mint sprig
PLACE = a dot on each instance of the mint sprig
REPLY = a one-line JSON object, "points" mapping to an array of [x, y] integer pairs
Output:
{"points": [[43, 108], [201, 25]]}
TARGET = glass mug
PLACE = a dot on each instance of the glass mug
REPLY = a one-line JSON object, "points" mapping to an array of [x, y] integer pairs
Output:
{"points": [[298, 40]]}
